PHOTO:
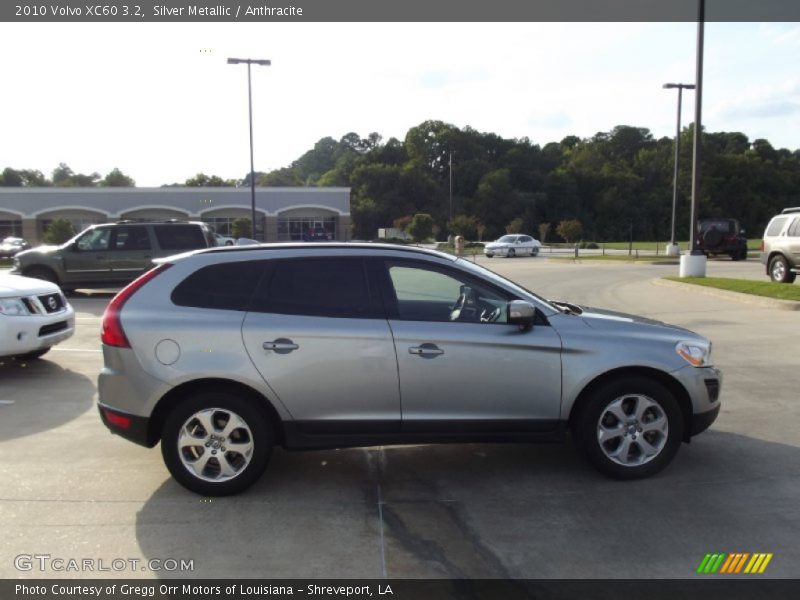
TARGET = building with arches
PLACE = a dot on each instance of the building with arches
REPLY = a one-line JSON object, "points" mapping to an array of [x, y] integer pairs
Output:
{"points": [[282, 213]]}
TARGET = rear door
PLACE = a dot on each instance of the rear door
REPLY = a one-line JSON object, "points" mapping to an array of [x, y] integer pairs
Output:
{"points": [[317, 335], [130, 252]]}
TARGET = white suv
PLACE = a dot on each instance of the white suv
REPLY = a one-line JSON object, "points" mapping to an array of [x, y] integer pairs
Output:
{"points": [[34, 316]]}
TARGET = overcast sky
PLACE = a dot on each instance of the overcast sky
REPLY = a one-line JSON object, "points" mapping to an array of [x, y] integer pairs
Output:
{"points": [[158, 100]]}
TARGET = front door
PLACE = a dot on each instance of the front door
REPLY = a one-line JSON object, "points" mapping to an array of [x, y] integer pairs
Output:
{"points": [[462, 367]]}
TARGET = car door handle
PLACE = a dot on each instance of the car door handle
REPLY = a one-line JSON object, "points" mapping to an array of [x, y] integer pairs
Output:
{"points": [[426, 350], [281, 346]]}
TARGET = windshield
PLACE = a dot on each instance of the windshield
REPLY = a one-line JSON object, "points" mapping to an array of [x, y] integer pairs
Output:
{"points": [[508, 239], [492, 276]]}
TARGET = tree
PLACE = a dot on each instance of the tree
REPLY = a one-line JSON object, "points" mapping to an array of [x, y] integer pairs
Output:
{"points": [[117, 178], [465, 226], [544, 229], [571, 229], [421, 227], [402, 223], [480, 228], [241, 228], [203, 180], [63, 176], [515, 226], [58, 231]]}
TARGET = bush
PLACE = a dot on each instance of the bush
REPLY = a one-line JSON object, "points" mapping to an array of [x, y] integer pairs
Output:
{"points": [[58, 231]]}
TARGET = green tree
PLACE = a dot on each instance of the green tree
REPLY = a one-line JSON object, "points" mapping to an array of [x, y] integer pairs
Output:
{"points": [[203, 180], [570, 230], [421, 227], [402, 223], [117, 178], [515, 226], [58, 231], [63, 176], [465, 226], [241, 228]]}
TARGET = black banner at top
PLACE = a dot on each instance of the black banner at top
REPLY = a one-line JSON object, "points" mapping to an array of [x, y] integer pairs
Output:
{"points": [[395, 10]]}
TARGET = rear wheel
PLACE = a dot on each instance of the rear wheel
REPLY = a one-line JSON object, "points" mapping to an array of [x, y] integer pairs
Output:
{"points": [[630, 428], [216, 443], [779, 270], [511, 253]]}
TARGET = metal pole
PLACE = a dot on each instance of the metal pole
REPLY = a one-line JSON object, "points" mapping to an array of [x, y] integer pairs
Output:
{"points": [[698, 127], [675, 178], [451, 187], [252, 168]]}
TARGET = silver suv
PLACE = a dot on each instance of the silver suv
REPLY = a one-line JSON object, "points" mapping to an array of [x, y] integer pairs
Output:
{"points": [[780, 246], [222, 354]]}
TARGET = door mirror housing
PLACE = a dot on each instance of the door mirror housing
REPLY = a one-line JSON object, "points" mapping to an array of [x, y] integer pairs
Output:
{"points": [[519, 312]]}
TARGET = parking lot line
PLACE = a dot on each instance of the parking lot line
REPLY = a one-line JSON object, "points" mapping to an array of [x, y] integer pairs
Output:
{"points": [[10, 402], [77, 349]]}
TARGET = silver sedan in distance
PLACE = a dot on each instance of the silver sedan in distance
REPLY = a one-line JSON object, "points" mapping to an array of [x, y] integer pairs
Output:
{"points": [[513, 245]]}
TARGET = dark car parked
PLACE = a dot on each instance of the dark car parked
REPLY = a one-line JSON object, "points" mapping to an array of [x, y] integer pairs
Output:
{"points": [[722, 236], [111, 254]]}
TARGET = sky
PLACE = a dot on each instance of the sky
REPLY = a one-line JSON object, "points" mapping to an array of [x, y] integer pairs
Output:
{"points": [[159, 101]]}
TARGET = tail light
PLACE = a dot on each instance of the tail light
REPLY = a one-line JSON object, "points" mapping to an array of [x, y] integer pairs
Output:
{"points": [[761, 247], [113, 334]]}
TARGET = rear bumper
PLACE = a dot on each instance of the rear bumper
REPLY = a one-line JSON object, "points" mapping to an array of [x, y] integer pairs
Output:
{"points": [[136, 431]]}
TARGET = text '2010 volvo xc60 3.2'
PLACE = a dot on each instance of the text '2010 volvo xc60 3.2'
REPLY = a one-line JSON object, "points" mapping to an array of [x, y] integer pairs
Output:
{"points": [[222, 354]]}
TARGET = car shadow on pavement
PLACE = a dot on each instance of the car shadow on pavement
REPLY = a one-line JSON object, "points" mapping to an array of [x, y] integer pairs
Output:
{"points": [[34, 396], [90, 302], [485, 511]]}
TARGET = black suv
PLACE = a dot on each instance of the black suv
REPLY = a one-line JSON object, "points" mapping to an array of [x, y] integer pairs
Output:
{"points": [[111, 254], [722, 236]]}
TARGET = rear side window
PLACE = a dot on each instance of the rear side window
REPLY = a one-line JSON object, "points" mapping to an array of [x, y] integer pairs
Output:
{"points": [[227, 286], [333, 287], [131, 237], [794, 229], [180, 237], [775, 227]]}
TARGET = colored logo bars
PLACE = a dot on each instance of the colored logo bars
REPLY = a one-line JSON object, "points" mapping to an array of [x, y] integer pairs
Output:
{"points": [[741, 562]]}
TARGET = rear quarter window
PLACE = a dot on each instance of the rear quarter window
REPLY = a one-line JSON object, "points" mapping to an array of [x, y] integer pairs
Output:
{"points": [[227, 286], [775, 227], [180, 237]]}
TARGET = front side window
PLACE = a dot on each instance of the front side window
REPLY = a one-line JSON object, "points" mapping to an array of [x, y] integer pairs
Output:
{"points": [[508, 239], [429, 294], [324, 287], [94, 240]]}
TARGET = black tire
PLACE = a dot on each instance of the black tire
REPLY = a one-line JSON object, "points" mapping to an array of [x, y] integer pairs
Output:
{"points": [[257, 431], [779, 270], [511, 253], [41, 273], [32, 355], [535, 252], [622, 393]]}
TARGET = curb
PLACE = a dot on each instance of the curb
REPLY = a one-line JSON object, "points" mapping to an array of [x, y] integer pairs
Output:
{"points": [[737, 296]]}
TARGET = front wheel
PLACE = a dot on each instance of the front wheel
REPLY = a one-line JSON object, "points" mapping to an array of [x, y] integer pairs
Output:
{"points": [[511, 253], [779, 270], [216, 443], [630, 428]]}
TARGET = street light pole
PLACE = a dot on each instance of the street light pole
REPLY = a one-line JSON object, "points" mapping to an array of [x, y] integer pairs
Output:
{"points": [[672, 248], [451, 186], [248, 62]]}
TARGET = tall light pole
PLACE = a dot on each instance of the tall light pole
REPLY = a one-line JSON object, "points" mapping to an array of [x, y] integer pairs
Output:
{"points": [[248, 62], [694, 263], [451, 186], [672, 248]]}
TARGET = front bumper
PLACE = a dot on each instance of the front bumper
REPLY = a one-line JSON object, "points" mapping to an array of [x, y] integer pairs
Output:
{"points": [[25, 334], [703, 385], [702, 421]]}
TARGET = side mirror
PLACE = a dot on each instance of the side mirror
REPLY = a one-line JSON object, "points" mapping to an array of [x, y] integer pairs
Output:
{"points": [[519, 312], [742, 232]]}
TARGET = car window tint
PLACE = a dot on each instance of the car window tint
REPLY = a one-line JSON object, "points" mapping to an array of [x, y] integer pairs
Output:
{"points": [[95, 239], [133, 237], [334, 287], [794, 229], [776, 226], [426, 294], [227, 286], [180, 237]]}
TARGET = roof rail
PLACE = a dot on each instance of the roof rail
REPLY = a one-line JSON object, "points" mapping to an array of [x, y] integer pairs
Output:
{"points": [[786, 211]]}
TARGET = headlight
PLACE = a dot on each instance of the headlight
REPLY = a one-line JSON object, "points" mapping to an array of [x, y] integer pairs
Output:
{"points": [[13, 307], [696, 354]]}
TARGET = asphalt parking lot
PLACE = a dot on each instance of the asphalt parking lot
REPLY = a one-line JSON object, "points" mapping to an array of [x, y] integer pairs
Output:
{"points": [[72, 490]]}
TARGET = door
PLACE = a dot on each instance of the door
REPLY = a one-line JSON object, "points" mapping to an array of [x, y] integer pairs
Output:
{"points": [[461, 366], [87, 258], [130, 252], [318, 337]]}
